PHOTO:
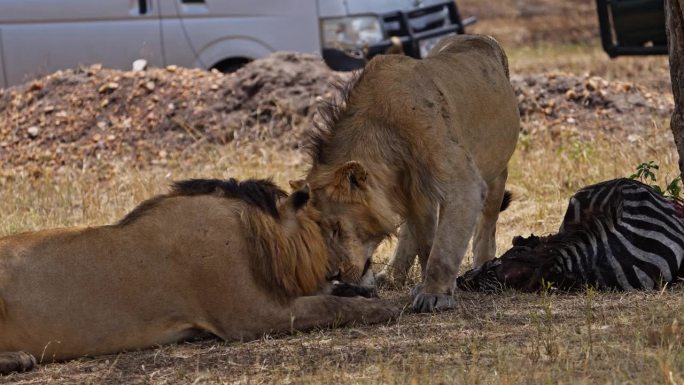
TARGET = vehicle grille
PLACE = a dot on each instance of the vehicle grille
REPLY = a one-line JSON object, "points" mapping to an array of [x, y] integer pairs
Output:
{"points": [[419, 20]]}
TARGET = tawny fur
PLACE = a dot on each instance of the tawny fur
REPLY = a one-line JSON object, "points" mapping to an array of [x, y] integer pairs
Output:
{"points": [[180, 265], [3, 310], [290, 255], [422, 143]]}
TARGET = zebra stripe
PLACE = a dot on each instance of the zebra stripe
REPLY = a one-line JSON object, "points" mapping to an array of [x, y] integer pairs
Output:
{"points": [[644, 255], [660, 225], [646, 281], [676, 248], [671, 221], [617, 234], [618, 273], [638, 229]]}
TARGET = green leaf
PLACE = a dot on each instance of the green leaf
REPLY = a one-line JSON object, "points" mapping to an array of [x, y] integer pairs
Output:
{"points": [[673, 188]]}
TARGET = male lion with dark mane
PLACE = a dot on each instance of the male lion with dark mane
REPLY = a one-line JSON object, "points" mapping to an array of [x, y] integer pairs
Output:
{"points": [[423, 144], [234, 259]]}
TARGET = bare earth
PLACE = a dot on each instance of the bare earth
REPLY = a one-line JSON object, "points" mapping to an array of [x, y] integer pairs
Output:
{"points": [[84, 146]]}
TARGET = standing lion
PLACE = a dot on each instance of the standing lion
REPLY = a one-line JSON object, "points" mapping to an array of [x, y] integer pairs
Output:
{"points": [[234, 259], [423, 144]]}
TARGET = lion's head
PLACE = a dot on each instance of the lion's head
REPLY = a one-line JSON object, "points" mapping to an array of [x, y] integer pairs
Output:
{"points": [[354, 218], [297, 249]]}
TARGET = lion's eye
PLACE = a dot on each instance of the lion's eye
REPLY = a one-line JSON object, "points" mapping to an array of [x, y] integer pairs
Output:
{"points": [[335, 277], [363, 235]]}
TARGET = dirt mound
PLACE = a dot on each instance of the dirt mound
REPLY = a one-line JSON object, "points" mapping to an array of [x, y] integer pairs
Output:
{"points": [[557, 102], [93, 117]]}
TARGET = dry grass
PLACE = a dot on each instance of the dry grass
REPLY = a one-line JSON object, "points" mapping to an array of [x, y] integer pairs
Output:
{"points": [[553, 35], [650, 71], [626, 338], [508, 339], [532, 22]]}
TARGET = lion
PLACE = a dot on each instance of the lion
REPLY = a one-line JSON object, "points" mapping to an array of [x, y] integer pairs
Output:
{"points": [[234, 259], [423, 144]]}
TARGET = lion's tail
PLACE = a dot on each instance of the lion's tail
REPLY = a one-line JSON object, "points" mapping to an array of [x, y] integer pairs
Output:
{"points": [[507, 199]]}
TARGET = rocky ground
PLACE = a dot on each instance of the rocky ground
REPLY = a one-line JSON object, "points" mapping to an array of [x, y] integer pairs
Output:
{"points": [[91, 116], [557, 102], [88, 115]]}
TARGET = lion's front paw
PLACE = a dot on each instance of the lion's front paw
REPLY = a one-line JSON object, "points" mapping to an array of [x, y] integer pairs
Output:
{"points": [[342, 289], [381, 311], [431, 302]]}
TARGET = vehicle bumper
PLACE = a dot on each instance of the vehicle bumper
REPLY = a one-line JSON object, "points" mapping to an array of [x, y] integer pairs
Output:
{"points": [[409, 38]]}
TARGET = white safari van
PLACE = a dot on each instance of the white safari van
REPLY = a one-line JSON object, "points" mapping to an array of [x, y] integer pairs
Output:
{"points": [[42, 36]]}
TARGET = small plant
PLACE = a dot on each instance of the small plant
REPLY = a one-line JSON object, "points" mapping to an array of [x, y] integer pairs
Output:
{"points": [[577, 150], [546, 346], [524, 141], [674, 188], [646, 173], [580, 150], [643, 172], [589, 317]]}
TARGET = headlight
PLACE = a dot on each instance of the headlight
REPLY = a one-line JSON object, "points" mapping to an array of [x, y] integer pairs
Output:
{"points": [[351, 32]]}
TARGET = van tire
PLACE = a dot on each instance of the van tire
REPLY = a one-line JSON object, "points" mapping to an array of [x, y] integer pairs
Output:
{"points": [[231, 64]]}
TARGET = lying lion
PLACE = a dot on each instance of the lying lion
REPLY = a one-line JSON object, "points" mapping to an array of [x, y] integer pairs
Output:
{"points": [[236, 260], [425, 144]]}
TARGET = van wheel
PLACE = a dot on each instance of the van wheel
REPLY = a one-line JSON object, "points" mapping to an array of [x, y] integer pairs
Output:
{"points": [[231, 65]]}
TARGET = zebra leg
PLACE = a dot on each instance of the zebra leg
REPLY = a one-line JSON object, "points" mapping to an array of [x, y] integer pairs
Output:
{"points": [[16, 362], [484, 241]]}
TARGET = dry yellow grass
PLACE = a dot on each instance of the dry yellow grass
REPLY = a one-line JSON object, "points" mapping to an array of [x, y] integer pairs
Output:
{"points": [[588, 338], [507, 339]]}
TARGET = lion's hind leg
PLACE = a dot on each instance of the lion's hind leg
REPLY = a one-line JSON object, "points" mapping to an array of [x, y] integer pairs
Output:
{"points": [[396, 271], [484, 240], [16, 362]]}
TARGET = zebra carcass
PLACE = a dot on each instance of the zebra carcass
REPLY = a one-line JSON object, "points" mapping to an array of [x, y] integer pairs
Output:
{"points": [[619, 234]]}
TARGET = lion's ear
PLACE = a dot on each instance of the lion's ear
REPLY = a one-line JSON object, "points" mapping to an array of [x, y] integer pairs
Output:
{"points": [[352, 176], [289, 207], [301, 197]]}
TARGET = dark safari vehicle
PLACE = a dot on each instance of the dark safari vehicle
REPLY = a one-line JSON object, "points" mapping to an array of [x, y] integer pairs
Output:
{"points": [[632, 27]]}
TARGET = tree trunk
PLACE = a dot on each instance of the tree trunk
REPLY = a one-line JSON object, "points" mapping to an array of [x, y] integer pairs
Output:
{"points": [[675, 38]]}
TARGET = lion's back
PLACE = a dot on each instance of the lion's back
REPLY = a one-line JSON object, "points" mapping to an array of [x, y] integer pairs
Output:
{"points": [[459, 93], [471, 74], [111, 277]]}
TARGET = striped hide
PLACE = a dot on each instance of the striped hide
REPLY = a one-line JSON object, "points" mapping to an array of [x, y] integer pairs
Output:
{"points": [[619, 234]]}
